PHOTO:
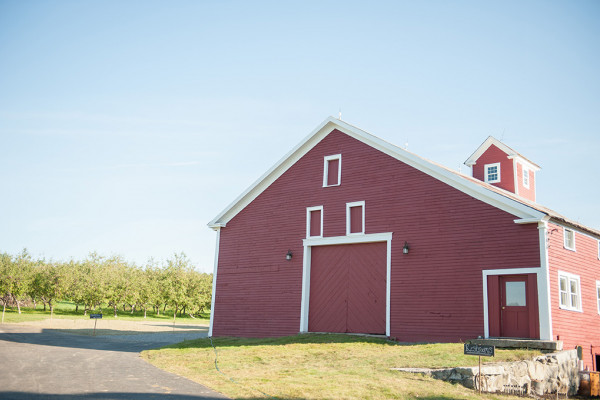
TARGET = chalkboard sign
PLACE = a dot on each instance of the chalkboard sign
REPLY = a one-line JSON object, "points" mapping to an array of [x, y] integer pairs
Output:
{"points": [[479, 350], [93, 316]]}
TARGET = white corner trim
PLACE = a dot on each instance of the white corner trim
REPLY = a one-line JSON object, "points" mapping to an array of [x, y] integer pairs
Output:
{"points": [[544, 296], [515, 177], [214, 283], [349, 220], [308, 211], [327, 241]]}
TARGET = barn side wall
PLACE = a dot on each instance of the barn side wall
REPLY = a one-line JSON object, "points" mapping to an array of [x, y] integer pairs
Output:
{"points": [[436, 289], [576, 328]]}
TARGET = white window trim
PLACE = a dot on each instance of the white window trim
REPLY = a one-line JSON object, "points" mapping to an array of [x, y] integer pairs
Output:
{"points": [[526, 182], [570, 276], [326, 169], [486, 167], [308, 211], [565, 230], [598, 295], [348, 221]]}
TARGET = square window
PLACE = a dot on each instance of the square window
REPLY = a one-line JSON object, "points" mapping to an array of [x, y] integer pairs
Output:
{"points": [[332, 170], [526, 177], [314, 222], [355, 218], [569, 236], [492, 173], [569, 288]]}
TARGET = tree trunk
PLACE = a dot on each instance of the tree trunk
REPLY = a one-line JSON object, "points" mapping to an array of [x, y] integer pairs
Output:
{"points": [[76, 307], [51, 309], [3, 309], [34, 304], [164, 308], [44, 305], [144, 312], [115, 309], [18, 304]]}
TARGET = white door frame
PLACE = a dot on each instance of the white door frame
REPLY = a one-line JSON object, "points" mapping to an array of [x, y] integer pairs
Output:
{"points": [[336, 240]]}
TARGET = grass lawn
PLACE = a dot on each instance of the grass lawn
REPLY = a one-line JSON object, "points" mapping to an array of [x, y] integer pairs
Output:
{"points": [[66, 310], [321, 367]]}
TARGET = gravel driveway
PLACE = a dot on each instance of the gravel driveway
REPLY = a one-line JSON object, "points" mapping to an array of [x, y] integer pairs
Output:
{"points": [[42, 363]]}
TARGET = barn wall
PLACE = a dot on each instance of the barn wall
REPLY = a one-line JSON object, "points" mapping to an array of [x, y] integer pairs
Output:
{"points": [[526, 193], [572, 327], [437, 292]]}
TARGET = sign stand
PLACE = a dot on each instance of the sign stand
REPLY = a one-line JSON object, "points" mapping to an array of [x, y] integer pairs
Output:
{"points": [[479, 350], [95, 317]]}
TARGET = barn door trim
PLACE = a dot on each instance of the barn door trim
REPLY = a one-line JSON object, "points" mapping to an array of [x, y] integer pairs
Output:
{"points": [[544, 323], [328, 241]]}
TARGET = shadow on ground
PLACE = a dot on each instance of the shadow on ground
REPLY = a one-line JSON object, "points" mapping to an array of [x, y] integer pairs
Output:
{"points": [[117, 342]]}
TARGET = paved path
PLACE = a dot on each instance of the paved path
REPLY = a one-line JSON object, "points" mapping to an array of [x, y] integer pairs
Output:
{"points": [[40, 364]]}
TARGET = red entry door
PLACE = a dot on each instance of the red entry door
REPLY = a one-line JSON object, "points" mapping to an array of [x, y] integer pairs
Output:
{"points": [[514, 307], [348, 288]]}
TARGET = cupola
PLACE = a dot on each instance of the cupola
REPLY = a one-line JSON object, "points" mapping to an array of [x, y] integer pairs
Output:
{"points": [[497, 164]]}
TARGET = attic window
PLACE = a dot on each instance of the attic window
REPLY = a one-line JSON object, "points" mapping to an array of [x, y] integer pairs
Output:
{"points": [[569, 236], [526, 177], [492, 173], [355, 218], [332, 170]]}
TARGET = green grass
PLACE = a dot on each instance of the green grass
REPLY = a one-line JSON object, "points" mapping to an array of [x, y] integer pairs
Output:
{"points": [[320, 367], [66, 310]]}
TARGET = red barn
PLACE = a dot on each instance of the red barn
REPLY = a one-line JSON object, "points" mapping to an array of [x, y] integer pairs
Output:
{"points": [[349, 233]]}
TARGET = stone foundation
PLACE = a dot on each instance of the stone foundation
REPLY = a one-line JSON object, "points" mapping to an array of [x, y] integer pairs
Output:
{"points": [[555, 373]]}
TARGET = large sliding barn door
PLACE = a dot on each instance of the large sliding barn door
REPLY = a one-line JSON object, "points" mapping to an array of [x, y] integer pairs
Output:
{"points": [[348, 288]]}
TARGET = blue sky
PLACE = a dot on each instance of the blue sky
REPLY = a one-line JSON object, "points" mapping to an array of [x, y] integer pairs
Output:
{"points": [[126, 126]]}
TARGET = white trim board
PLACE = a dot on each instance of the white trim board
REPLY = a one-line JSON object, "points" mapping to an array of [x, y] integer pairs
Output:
{"points": [[214, 283], [328, 241]]}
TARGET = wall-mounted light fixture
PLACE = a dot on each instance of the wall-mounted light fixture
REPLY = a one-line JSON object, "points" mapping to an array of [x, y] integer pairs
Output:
{"points": [[405, 248], [289, 255]]}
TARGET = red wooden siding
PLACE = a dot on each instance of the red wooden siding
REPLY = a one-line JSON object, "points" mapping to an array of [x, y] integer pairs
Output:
{"points": [[333, 167], [575, 328], [436, 289], [347, 288], [526, 193], [315, 223], [494, 155]]}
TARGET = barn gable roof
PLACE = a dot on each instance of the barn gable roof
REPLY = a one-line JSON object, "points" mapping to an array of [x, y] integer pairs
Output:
{"points": [[472, 160], [497, 197]]}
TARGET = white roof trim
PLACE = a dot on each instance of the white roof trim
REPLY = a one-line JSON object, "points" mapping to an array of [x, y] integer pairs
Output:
{"points": [[472, 160], [474, 190]]}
